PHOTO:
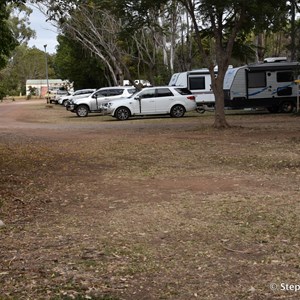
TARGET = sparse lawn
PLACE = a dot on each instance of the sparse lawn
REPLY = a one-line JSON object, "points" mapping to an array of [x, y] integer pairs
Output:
{"points": [[153, 208]]}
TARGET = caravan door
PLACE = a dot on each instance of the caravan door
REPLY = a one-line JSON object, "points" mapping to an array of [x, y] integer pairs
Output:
{"points": [[259, 85]]}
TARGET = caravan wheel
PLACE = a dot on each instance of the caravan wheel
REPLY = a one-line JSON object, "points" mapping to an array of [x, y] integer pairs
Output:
{"points": [[273, 109], [287, 107]]}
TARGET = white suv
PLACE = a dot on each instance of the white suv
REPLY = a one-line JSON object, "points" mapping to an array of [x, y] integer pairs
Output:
{"points": [[83, 106], [174, 101], [76, 95]]}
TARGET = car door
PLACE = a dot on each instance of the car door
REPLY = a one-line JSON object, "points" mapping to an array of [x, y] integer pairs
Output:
{"points": [[111, 94], [163, 100], [97, 98], [147, 101]]}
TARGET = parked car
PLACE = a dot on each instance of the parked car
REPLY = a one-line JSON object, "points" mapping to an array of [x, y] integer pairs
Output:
{"points": [[76, 95], [174, 101], [54, 95], [83, 106]]}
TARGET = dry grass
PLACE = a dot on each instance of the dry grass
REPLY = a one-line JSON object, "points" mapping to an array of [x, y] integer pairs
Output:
{"points": [[149, 208]]}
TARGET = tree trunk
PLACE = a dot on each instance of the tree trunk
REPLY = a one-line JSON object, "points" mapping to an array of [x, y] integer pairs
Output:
{"points": [[260, 52], [217, 86], [293, 30]]}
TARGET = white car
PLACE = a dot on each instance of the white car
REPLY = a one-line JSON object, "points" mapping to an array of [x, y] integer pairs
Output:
{"points": [[83, 106], [54, 95], [174, 101], [76, 95]]}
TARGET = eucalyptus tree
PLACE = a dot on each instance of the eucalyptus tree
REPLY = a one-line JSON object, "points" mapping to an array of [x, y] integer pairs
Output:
{"points": [[19, 22], [109, 30], [73, 62], [13, 31], [294, 9], [224, 21]]}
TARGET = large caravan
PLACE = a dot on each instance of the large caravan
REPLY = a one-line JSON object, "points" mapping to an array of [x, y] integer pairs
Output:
{"points": [[198, 82], [267, 85]]}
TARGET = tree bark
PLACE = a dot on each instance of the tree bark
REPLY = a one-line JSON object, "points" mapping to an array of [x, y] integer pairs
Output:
{"points": [[217, 86]]}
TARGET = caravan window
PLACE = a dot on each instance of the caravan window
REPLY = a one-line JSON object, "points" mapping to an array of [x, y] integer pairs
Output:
{"points": [[285, 76], [256, 79], [197, 83]]}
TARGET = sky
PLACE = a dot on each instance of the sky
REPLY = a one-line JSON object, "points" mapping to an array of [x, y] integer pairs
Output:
{"points": [[45, 32]]}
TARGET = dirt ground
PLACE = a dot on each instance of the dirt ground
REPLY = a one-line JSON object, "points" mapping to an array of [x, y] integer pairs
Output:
{"points": [[150, 208]]}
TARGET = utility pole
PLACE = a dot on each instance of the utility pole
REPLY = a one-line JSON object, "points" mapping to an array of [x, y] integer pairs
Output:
{"points": [[47, 97]]}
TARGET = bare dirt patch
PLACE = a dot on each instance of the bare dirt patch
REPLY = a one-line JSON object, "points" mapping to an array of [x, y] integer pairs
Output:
{"points": [[151, 208]]}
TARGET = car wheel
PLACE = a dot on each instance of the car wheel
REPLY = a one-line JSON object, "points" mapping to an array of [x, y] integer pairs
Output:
{"points": [[287, 107], [177, 111], [82, 111], [122, 113]]}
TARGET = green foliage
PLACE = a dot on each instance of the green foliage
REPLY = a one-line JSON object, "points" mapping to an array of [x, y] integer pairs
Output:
{"points": [[2, 94], [7, 40], [19, 22], [13, 28], [74, 63], [25, 63], [257, 15], [138, 13]]}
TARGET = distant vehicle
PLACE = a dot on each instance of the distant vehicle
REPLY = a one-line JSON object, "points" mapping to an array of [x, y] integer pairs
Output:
{"points": [[140, 82], [275, 59], [265, 85], [164, 100], [91, 104], [76, 95], [54, 95]]}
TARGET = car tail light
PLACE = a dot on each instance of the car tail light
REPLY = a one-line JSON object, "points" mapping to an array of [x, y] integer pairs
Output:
{"points": [[193, 98]]}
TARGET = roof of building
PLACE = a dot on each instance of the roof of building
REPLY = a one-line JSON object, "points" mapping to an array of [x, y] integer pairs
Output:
{"points": [[43, 81]]}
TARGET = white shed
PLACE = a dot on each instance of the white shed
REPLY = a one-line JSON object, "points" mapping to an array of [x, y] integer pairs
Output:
{"points": [[40, 85]]}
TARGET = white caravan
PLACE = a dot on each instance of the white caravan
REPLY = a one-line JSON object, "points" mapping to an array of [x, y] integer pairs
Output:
{"points": [[264, 85], [199, 83]]}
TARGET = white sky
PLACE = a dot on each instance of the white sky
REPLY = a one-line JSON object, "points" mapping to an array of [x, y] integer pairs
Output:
{"points": [[45, 32]]}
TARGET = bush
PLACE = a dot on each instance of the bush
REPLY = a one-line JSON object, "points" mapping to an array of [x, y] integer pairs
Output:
{"points": [[2, 92]]}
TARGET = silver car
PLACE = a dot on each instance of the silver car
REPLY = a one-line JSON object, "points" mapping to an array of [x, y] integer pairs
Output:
{"points": [[91, 104]]}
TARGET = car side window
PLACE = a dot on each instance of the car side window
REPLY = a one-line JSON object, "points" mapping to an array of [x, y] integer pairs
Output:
{"points": [[115, 92], [101, 94], [164, 92], [147, 94], [119, 92]]}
